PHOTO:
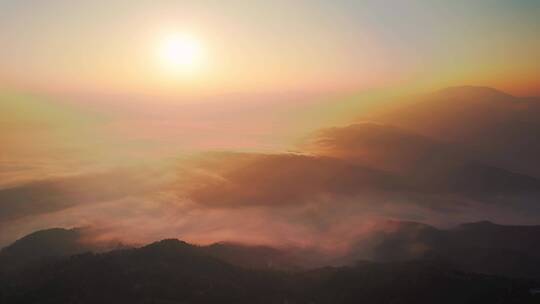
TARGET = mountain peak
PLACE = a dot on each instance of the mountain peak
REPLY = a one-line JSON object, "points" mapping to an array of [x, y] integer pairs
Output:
{"points": [[52, 237], [169, 244], [471, 92], [44, 244]]}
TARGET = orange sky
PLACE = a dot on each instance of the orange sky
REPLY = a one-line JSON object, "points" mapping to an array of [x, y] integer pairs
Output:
{"points": [[258, 47]]}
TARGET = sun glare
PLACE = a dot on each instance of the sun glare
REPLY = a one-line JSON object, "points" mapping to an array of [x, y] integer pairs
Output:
{"points": [[181, 53]]}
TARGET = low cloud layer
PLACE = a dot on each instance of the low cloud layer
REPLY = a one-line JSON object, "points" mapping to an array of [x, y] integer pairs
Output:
{"points": [[329, 194]]}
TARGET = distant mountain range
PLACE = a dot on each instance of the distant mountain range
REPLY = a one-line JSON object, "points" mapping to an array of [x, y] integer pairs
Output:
{"points": [[57, 243], [492, 126], [481, 247]]}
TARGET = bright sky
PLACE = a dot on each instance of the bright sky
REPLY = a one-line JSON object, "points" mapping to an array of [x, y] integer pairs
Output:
{"points": [[261, 46]]}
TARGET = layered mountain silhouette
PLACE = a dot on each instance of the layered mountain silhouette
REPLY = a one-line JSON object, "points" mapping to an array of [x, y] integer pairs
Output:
{"points": [[43, 244], [57, 243], [482, 247], [172, 271]]}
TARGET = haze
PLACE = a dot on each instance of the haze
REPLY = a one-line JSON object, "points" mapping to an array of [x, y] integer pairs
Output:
{"points": [[291, 123]]}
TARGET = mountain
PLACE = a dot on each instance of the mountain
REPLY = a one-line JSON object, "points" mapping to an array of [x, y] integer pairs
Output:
{"points": [[256, 257], [56, 243], [43, 244], [169, 271], [383, 146], [481, 247], [425, 164], [49, 244], [492, 126], [413, 282], [172, 271]]}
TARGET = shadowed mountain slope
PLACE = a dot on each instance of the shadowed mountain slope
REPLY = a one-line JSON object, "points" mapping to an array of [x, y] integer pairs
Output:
{"points": [[43, 244], [172, 271], [481, 247], [495, 127]]}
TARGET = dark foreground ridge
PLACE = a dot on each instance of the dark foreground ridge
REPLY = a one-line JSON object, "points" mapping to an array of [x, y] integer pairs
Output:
{"points": [[173, 271]]}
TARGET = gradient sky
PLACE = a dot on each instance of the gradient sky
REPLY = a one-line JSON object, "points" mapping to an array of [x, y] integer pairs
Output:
{"points": [[104, 46], [304, 118]]}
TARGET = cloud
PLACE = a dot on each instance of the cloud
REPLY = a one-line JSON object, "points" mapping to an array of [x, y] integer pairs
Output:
{"points": [[281, 179], [354, 161], [382, 146], [54, 194], [329, 192]]}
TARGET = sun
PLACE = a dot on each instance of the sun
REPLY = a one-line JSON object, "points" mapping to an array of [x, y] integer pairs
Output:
{"points": [[181, 53]]}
